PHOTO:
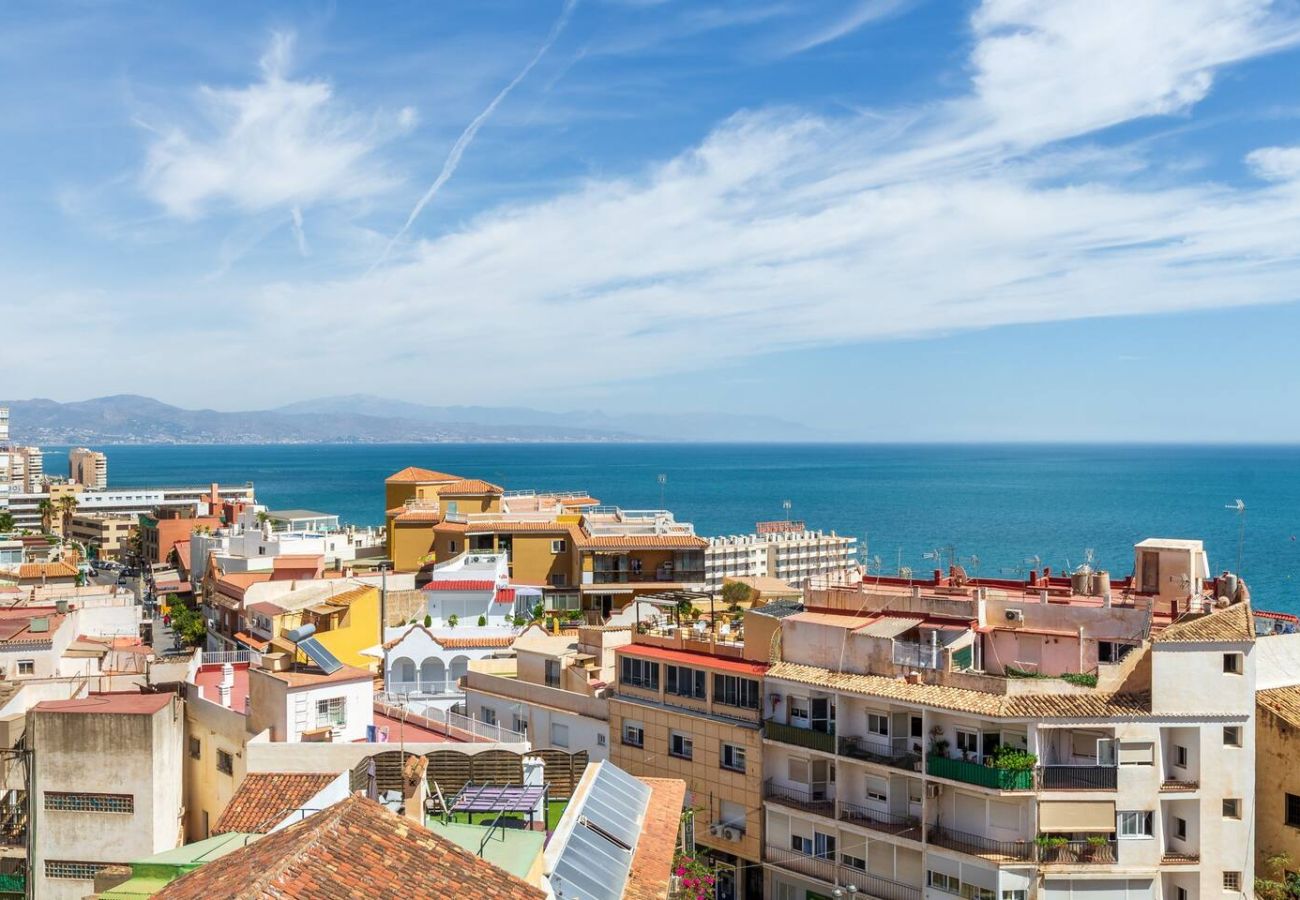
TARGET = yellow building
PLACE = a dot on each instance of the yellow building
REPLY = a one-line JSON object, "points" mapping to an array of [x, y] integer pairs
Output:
{"points": [[105, 535], [682, 713], [1277, 779], [345, 614]]}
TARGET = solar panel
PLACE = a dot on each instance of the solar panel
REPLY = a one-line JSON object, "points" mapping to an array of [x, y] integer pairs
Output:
{"points": [[616, 804], [317, 653], [591, 868]]}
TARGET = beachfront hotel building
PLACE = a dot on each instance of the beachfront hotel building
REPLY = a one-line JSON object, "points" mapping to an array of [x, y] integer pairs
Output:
{"points": [[587, 557], [789, 551]]}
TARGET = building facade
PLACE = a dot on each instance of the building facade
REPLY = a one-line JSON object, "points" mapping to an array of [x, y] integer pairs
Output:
{"points": [[88, 467], [784, 550]]}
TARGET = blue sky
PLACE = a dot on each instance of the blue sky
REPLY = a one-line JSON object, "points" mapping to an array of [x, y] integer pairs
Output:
{"points": [[893, 219]]}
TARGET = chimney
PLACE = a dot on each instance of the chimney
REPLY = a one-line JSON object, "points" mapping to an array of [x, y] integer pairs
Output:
{"points": [[227, 683]]}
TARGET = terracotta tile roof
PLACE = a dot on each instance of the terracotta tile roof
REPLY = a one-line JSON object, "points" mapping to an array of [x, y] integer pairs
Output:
{"points": [[265, 799], [470, 486], [496, 640], [418, 515], [47, 570], [182, 549], [416, 475], [1283, 702], [451, 527], [1082, 705], [645, 541], [461, 584], [507, 526], [1231, 625], [354, 849], [18, 629], [652, 865]]}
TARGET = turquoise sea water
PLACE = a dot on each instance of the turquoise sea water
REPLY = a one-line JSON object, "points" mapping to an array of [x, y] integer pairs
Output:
{"points": [[1004, 504]]}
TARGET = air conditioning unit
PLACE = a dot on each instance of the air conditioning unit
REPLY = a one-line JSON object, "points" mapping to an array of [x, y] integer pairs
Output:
{"points": [[1015, 615], [933, 790], [715, 829], [730, 834]]}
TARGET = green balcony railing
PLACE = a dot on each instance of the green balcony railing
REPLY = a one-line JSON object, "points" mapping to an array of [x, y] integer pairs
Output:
{"points": [[799, 737], [984, 776]]}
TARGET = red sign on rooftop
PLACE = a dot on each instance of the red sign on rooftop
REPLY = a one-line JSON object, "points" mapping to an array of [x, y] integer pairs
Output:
{"points": [[778, 527]]}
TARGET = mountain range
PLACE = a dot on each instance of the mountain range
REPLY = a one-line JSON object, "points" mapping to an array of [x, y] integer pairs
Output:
{"points": [[361, 418]]}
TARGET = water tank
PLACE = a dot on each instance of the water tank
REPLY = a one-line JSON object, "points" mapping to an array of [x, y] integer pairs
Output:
{"points": [[1099, 582], [1227, 586], [1081, 581], [300, 633]]}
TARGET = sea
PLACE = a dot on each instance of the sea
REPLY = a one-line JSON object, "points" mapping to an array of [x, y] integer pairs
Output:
{"points": [[999, 510]]}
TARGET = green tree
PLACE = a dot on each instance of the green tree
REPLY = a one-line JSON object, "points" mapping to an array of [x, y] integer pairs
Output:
{"points": [[47, 515], [66, 506], [6, 522], [187, 623], [1282, 885], [735, 593]]}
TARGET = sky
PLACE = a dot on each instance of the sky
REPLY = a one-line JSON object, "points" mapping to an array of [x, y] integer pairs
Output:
{"points": [[889, 219]]}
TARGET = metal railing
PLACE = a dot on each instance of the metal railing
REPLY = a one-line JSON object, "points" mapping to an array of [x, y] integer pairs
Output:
{"points": [[982, 775], [876, 885], [978, 845], [1071, 853], [608, 577], [888, 751], [799, 737], [889, 823], [820, 801], [430, 687], [823, 868], [827, 870], [1077, 778], [221, 657], [450, 723]]}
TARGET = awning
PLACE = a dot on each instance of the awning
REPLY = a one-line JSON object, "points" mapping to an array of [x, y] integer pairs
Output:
{"points": [[1076, 815]]}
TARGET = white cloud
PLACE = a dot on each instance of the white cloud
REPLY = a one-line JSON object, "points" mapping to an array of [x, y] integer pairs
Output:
{"points": [[280, 142], [864, 12], [1275, 163]]}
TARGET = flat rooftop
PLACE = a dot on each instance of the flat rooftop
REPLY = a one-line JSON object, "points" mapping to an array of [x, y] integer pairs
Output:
{"points": [[121, 704], [208, 677], [512, 849]]}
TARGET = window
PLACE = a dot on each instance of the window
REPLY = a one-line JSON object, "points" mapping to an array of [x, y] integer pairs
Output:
{"points": [[801, 844], [196, 748], [730, 690], [733, 757], [520, 725], [225, 763], [680, 745], [26, 667], [74, 871], [1180, 828], [853, 862], [553, 672], [1232, 735], [559, 545], [559, 735], [451, 547], [968, 743], [633, 734], [563, 601], [489, 715], [93, 803], [559, 579], [1232, 881], [1015, 895], [332, 712], [684, 682], [600, 740], [1180, 893], [732, 815], [1134, 824], [1180, 757], [1232, 808], [878, 724], [1232, 664], [876, 789], [942, 882], [640, 673], [1293, 810]]}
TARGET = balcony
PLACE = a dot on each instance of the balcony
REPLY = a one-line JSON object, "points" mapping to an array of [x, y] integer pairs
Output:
{"points": [[1099, 852], [1077, 778], [827, 871], [1180, 858], [889, 823], [799, 737], [977, 774], [978, 845], [886, 751], [678, 576], [425, 687], [1178, 786], [819, 802]]}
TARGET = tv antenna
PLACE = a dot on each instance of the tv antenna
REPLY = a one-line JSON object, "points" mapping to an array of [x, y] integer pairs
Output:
{"points": [[662, 478], [1239, 507], [786, 506]]}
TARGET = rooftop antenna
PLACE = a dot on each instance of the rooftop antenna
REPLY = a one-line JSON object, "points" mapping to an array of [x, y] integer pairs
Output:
{"points": [[1239, 507], [786, 506], [662, 478]]}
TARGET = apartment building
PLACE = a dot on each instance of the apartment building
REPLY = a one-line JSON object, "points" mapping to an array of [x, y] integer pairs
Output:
{"points": [[26, 469], [104, 535], [254, 538], [88, 467], [106, 770], [785, 550], [688, 705], [197, 501], [1060, 738]]}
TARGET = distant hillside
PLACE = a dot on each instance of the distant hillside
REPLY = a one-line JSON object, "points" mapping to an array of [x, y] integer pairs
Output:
{"points": [[130, 419]]}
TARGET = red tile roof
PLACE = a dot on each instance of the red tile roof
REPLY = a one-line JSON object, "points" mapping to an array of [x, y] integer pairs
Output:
{"points": [[461, 584], [265, 799], [470, 486], [182, 549], [354, 849], [457, 643], [18, 629], [645, 541], [29, 571], [418, 515], [644, 651], [125, 703], [652, 865], [416, 475]]}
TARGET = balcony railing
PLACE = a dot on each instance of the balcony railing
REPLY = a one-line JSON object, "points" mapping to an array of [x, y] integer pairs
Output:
{"points": [[876, 886], [1180, 858], [984, 776], [678, 575], [1178, 785], [799, 798], [821, 868], [978, 845], [799, 737], [1077, 778], [887, 751], [828, 871], [1074, 853], [889, 823], [430, 687]]}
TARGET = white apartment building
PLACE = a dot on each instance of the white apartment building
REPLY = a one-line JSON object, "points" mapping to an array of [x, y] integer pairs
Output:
{"points": [[259, 536], [900, 760], [25, 507], [785, 550]]}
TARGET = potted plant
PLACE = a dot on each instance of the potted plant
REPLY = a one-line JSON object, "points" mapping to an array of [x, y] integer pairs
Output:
{"points": [[1096, 848], [453, 620], [1052, 847]]}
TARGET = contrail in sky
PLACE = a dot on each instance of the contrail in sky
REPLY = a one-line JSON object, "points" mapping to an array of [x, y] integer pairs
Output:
{"points": [[467, 136]]}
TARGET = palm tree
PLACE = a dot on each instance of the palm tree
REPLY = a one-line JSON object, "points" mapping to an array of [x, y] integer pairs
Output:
{"points": [[47, 515], [67, 505]]}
